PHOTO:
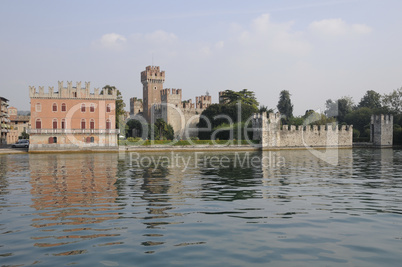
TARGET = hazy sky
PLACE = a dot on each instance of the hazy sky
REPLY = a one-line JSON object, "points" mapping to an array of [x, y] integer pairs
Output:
{"points": [[315, 49]]}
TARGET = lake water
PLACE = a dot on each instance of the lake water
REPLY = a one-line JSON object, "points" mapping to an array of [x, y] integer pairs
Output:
{"points": [[284, 208]]}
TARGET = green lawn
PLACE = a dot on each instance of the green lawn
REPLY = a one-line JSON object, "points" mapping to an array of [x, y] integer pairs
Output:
{"points": [[184, 142]]}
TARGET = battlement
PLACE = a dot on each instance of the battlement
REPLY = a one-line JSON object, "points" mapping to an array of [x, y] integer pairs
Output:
{"points": [[267, 129], [381, 130], [188, 104], [135, 99], [152, 74], [387, 119], [169, 91], [135, 106], [317, 128], [203, 101], [76, 92]]}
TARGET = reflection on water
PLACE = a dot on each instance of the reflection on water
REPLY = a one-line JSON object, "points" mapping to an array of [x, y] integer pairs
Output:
{"points": [[248, 208], [72, 192]]}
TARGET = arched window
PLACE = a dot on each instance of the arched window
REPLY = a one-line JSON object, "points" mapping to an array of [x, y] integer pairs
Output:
{"points": [[38, 107], [108, 124], [92, 108], [54, 108], [92, 139], [92, 124], [63, 124], [83, 108], [108, 108], [83, 124], [50, 140], [38, 124], [54, 123], [63, 107], [88, 139]]}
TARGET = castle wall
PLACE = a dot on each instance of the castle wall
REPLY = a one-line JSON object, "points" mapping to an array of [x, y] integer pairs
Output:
{"points": [[203, 101], [315, 136], [136, 106], [172, 109], [270, 133], [381, 127]]}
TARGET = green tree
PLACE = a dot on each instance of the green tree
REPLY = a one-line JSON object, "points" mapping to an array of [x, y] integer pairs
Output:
{"points": [[120, 105], [371, 99], [360, 119], [314, 118], [393, 101], [339, 108], [265, 109], [163, 130], [285, 106], [24, 135], [221, 115], [136, 129], [244, 96]]}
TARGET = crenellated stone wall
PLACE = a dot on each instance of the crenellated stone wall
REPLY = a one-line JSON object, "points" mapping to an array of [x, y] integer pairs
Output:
{"points": [[71, 92], [136, 106], [268, 129]]}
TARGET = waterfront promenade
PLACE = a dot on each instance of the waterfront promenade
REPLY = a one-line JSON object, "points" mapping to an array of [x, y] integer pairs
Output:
{"points": [[8, 150]]}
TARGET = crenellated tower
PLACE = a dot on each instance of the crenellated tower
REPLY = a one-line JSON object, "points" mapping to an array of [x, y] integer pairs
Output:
{"points": [[152, 80], [203, 101], [381, 127]]}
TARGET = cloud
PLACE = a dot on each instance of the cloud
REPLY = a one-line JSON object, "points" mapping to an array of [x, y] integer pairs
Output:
{"points": [[161, 37], [337, 27], [276, 37], [111, 41], [219, 44]]}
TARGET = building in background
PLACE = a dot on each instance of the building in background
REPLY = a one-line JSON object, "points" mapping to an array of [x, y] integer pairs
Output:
{"points": [[167, 104], [73, 118], [5, 120], [19, 125]]}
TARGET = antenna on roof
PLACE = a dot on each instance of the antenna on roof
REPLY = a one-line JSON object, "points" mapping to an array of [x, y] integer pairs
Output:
{"points": [[152, 59]]}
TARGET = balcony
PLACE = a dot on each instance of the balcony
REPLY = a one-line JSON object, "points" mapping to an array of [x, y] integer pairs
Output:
{"points": [[73, 131]]}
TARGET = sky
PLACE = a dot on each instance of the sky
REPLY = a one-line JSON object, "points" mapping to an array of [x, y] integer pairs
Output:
{"points": [[317, 50]]}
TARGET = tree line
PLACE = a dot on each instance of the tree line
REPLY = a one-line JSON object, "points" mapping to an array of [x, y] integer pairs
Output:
{"points": [[345, 111], [233, 113]]}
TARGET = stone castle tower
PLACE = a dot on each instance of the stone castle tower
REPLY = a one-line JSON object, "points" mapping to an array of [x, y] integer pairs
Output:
{"points": [[381, 130], [167, 104], [152, 80]]}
